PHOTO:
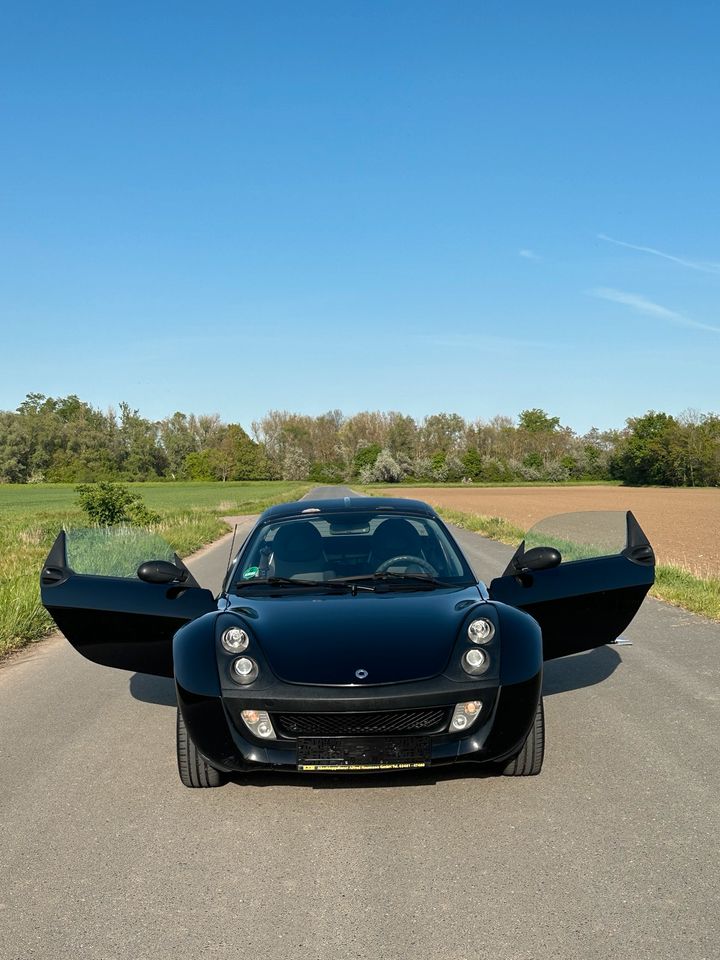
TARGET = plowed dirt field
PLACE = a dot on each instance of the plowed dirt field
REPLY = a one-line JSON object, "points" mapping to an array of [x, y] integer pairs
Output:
{"points": [[682, 524]]}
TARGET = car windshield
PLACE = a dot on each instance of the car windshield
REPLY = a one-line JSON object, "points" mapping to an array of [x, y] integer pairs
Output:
{"points": [[347, 548]]}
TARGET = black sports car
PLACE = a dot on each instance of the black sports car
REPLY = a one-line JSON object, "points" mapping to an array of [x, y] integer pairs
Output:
{"points": [[351, 635]]}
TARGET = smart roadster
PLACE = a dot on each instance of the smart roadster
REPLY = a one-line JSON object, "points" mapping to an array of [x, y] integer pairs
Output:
{"points": [[351, 635]]}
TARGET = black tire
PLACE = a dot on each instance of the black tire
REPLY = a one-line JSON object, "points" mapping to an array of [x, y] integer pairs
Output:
{"points": [[194, 769], [528, 763]]}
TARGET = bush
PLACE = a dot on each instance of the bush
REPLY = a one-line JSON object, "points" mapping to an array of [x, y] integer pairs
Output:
{"points": [[556, 471], [385, 470], [365, 459], [422, 469], [521, 470], [326, 472], [295, 465], [495, 471], [108, 503], [472, 464]]}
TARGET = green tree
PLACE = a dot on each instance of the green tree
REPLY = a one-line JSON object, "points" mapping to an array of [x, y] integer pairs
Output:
{"points": [[645, 453], [178, 439], [537, 421], [472, 464]]}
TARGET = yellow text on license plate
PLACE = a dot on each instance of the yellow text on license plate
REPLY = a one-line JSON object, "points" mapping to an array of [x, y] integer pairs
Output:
{"points": [[342, 767]]}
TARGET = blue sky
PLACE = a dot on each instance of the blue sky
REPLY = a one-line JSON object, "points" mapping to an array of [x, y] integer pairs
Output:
{"points": [[462, 206]]}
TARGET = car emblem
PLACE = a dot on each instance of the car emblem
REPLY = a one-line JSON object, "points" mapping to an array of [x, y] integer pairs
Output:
{"points": [[361, 674]]}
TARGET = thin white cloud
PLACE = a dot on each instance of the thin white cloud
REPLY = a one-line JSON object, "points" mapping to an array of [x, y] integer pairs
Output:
{"points": [[641, 304], [529, 254], [692, 264]]}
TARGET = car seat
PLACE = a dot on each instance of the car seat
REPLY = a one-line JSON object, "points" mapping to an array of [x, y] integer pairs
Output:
{"points": [[298, 552], [394, 537]]}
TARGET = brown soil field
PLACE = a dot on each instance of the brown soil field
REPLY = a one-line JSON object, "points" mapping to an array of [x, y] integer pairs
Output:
{"points": [[682, 524]]}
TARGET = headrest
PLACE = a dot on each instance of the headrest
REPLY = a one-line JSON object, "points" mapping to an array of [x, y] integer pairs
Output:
{"points": [[297, 541], [396, 533]]}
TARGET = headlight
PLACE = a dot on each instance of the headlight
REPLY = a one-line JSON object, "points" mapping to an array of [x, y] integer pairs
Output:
{"points": [[234, 640], [475, 661], [481, 631], [259, 723], [465, 715], [244, 670]]}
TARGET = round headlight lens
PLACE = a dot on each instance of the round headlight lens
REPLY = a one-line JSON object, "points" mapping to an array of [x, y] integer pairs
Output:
{"points": [[234, 640], [244, 670], [481, 631], [475, 660]]}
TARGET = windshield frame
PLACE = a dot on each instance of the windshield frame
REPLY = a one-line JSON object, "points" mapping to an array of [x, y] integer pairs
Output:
{"points": [[466, 579]]}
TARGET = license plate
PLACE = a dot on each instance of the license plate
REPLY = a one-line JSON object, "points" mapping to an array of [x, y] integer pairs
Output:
{"points": [[341, 754]]}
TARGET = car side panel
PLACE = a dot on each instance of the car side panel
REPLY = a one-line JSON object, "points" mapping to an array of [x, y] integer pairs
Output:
{"points": [[207, 726], [194, 657], [514, 715], [521, 645]]}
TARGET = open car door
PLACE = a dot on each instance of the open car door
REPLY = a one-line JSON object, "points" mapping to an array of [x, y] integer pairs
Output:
{"points": [[89, 586], [588, 599]]}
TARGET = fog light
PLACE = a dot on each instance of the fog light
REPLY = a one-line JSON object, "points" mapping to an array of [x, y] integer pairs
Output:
{"points": [[475, 661], [234, 640], [244, 670], [259, 723], [465, 715], [481, 631]]}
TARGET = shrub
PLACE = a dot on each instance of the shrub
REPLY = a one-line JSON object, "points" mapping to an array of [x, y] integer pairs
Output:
{"points": [[495, 471], [365, 458], [295, 465], [108, 503], [385, 470], [556, 471], [422, 469], [472, 464], [326, 472]]}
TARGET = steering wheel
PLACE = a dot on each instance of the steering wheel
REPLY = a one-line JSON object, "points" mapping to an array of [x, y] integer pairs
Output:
{"points": [[409, 561]]}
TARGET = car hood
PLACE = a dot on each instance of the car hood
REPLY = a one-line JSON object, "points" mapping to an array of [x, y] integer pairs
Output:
{"points": [[394, 637]]}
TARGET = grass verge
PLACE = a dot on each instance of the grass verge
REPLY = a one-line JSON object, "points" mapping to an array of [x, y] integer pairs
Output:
{"points": [[31, 516], [495, 528], [685, 589], [673, 584]]}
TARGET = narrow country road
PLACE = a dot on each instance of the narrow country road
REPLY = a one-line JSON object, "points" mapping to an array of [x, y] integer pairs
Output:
{"points": [[612, 852]]}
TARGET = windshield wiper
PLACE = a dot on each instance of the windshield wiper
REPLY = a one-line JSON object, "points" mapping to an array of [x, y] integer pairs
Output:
{"points": [[290, 582], [388, 577]]}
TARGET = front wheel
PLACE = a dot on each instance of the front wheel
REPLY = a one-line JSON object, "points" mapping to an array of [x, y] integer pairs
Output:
{"points": [[528, 763], [193, 768]]}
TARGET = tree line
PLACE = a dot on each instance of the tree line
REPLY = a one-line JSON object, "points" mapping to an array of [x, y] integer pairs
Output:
{"points": [[65, 439]]}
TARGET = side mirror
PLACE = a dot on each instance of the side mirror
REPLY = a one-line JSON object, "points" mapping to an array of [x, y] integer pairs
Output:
{"points": [[540, 558], [160, 571]]}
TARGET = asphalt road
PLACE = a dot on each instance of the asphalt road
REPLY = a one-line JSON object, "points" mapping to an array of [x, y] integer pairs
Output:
{"points": [[612, 852]]}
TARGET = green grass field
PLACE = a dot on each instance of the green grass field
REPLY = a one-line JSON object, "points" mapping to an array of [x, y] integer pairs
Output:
{"points": [[32, 514]]}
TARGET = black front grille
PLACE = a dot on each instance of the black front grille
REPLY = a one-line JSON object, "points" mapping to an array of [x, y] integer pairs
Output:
{"points": [[292, 725]]}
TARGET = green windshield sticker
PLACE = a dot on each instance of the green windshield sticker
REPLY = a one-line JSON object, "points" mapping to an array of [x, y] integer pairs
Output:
{"points": [[251, 573]]}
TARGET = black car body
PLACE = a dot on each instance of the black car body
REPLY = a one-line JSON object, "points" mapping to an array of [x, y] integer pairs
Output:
{"points": [[342, 638]]}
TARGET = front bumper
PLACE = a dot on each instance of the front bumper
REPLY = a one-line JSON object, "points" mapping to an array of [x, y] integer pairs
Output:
{"points": [[217, 731]]}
